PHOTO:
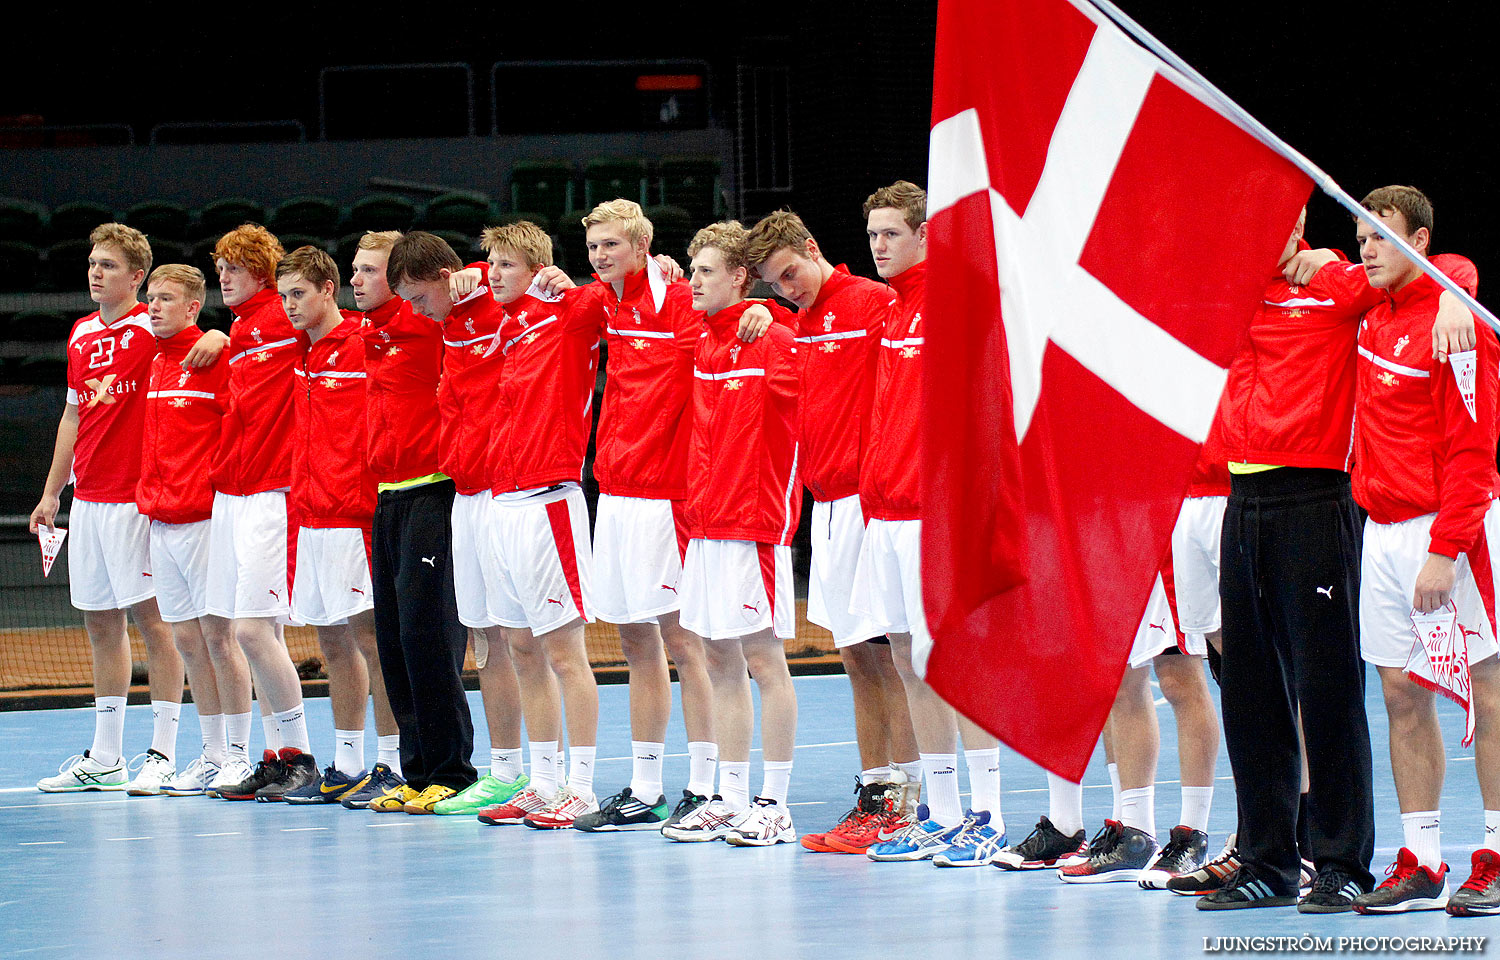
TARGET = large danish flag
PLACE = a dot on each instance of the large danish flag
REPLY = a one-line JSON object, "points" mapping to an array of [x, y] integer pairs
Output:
{"points": [[1099, 239]]}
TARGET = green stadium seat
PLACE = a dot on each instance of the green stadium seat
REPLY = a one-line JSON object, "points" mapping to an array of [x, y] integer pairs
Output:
{"points": [[159, 219], [291, 241], [691, 183], [40, 326], [221, 216], [19, 265], [167, 251], [464, 212], [344, 250], [215, 318], [463, 244], [42, 372], [382, 211], [22, 220], [569, 247], [516, 216], [608, 178], [542, 185], [312, 216], [201, 255], [66, 266], [673, 229], [74, 221]]}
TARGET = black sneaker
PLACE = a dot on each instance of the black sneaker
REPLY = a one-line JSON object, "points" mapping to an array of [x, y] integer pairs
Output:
{"points": [[1042, 848], [1333, 891], [1121, 856], [269, 770], [1243, 890], [1480, 894], [1185, 852], [1409, 886], [298, 770], [690, 801], [623, 812], [1212, 876], [382, 779]]}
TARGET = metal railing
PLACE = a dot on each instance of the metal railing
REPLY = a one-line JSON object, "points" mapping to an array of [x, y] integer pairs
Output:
{"points": [[221, 131]]}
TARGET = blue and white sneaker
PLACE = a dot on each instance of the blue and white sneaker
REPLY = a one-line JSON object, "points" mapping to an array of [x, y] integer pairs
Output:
{"points": [[922, 840], [977, 843]]}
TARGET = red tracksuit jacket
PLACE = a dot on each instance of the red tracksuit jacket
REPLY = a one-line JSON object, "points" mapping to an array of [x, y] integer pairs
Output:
{"points": [[404, 360], [890, 470], [255, 446], [184, 414], [469, 392], [332, 485]]}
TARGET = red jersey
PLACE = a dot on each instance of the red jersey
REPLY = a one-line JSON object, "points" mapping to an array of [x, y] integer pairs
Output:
{"points": [[470, 389], [742, 459], [255, 450], [839, 337], [1289, 399], [641, 448], [890, 470], [332, 485], [1421, 446], [184, 414], [546, 398], [404, 360], [108, 370]]}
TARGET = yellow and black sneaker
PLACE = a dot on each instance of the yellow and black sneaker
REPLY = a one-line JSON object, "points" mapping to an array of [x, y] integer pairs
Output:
{"points": [[427, 799], [331, 787], [393, 800]]}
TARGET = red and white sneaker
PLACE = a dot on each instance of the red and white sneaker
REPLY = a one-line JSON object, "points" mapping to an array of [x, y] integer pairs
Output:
{"points": [[566, 807], [516, 809]]}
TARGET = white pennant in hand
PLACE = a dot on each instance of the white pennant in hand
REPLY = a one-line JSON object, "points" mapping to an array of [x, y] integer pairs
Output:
{"points": [[1464, 366], [51, 539], [1439, 660]]}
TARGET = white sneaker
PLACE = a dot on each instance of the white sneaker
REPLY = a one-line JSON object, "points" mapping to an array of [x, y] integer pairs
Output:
{"points": [[766, 822], [83, 772], [151, 776], [710, 821], [192, 781], [235, 770]]}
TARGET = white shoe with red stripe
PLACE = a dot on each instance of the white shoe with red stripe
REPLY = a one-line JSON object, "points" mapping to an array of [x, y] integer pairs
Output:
{"points": [[566, 807]]}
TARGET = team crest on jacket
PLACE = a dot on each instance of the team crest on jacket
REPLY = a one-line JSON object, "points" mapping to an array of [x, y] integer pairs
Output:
{"points": [[635, 313], [1386, 378], [828, 322], [521, 319], [125, 340], [914, 322], [255, 335], [333, 358], [1401, 345], [734, 353], [186, 375], [469, 325]]}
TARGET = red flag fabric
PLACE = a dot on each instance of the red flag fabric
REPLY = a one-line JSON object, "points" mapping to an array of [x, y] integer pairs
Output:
{"points": [[1099, 239]]}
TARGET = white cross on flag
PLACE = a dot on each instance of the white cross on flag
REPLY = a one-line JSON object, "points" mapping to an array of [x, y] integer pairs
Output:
{"points": [[51, 540], [1439, 659], [1099, 239]]}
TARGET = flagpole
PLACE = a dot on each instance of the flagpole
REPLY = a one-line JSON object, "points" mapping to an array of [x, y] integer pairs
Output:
{"points": [[1262, 133]]}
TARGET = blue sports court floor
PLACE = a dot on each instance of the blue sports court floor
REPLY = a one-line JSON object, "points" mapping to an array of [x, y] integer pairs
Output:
{"points": [[107, 875]]}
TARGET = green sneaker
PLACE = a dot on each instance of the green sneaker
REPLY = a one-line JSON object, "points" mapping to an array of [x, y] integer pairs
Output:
{"points": [[484, 792]]}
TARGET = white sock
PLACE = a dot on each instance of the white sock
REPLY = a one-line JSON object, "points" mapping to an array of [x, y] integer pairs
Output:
{"points": [[349, 751], [505, 764], [545, 759], [212, 727], [1064, 804], [1114, 791], [875, 775], [293, 727], [164, 717], [703, 758], [776, 779], [109, 730], [1491, 839], [734, 783], [1196, 802], [237, 736], [388, 751], [984, 784], [941, 770], [270, 728], [581, 770], [912, 769], [645, 770], [1421, 829], [1138, 808]]}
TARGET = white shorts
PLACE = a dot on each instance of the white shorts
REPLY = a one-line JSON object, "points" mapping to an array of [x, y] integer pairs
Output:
{"points": [[1393, 556], [247, 568], [888, 584], [332, 581], [733, 588], [1195, 563], [1158, 632], [838, 531], [471, 539], [179, 565], [637, 559], [538, 561], [109, 556]]}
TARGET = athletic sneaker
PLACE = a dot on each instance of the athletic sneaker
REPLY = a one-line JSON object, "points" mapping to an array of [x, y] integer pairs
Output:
{"points": [[923, 840], [1242, 890], [516, 809], [269, 770], [423, 802], [393, 800], [882, 816], [763, 824], [1212, 876], [1333, 891], [1043, 847], [565, 808], [194, 780], [298, 770], [1408, 886], [848, 826], [83, 772], [690, 801], [709, 821], [1120, 856], [624, 812], [382, 780], [1480, 894], [1185, 852], [152, 775], [332, 787], [977, 844], [233, 771], [487, 791], [1307, 874]]}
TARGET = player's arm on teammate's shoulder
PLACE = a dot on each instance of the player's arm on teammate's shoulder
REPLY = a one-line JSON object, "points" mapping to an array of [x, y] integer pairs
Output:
{"points": [[206, 350], [463, 282], [1305, 264], [754, 322], [45, 513], [671, 269], [1453, 331], [552, 281]]}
